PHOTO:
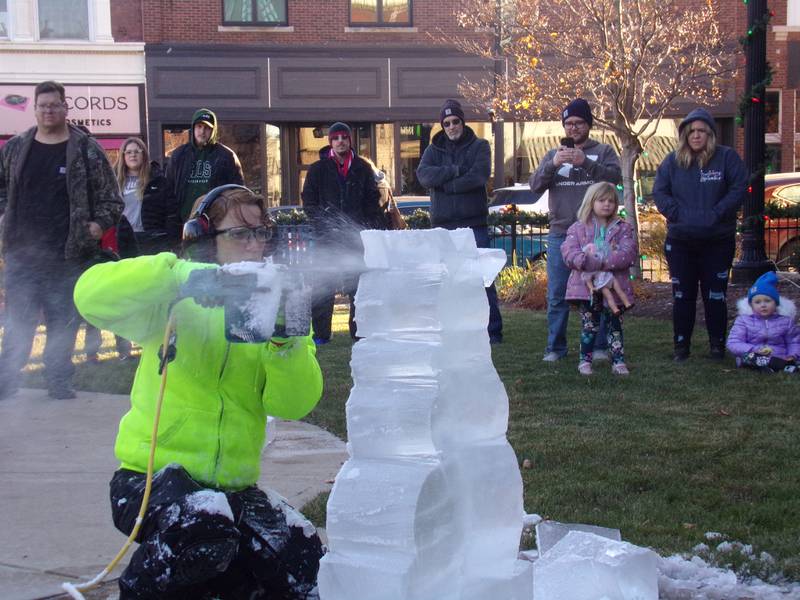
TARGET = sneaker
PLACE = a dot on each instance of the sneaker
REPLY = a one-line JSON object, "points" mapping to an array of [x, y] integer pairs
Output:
{"points": [[321, 341], [62, 391], [552, 357], [620, 369], [600, 355], [585, 367]]}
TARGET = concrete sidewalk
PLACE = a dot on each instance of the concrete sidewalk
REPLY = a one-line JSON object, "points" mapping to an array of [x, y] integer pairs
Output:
{"points": [[56, 459]]}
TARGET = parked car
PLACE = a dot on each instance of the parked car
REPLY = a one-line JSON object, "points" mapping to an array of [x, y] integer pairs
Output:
{"points": [[521, 195], [782, 234], [408, 204]]}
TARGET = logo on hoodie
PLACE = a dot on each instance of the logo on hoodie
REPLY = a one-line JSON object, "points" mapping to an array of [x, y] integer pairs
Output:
{"points": [[710, 175], [201, 172]]}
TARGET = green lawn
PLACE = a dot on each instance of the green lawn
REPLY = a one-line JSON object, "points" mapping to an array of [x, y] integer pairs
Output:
{"points": [[665, 455]]}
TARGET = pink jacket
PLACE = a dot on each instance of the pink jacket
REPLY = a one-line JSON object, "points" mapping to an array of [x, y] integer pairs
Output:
{"points": [[619, 237], [751, 332]]}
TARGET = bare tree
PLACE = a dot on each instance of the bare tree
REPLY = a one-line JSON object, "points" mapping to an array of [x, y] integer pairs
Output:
{"points": [[632, 59]]}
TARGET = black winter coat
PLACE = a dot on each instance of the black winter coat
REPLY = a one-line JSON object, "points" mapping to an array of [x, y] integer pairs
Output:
{"points": [[160, 218], [334, 206], [456, 175], [225, 169]]}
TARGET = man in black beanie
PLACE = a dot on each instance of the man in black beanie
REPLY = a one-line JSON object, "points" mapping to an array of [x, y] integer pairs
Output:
{"points": [[340, 197], [455, 167], [566, 172]]}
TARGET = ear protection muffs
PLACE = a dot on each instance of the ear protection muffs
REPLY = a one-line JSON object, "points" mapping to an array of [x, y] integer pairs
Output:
{"points": [[199, 225]]}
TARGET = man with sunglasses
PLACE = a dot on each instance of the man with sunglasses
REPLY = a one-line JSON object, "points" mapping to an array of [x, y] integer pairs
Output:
{"points": [[566, 172], [340, 197], [58, 194], [455, 167]]}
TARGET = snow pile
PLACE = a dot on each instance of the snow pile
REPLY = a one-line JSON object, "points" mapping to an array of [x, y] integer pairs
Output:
{"points": [[726, 570], [581, 566]]}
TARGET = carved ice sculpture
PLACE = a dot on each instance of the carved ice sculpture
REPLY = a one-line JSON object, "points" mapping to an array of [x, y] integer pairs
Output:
{"points": [[429, 504]]}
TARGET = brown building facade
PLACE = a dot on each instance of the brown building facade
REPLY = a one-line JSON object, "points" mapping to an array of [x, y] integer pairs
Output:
{"points": [[278, 72]]}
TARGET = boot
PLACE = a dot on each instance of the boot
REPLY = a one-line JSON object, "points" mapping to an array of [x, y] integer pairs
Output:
{"points": [[681, 354]]}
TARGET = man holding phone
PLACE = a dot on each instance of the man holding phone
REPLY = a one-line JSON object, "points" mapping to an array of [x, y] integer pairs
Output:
{"points": [[566, 172]]}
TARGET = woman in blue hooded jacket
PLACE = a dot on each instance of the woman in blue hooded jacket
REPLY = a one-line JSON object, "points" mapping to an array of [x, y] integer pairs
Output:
{"points": [[699, 189]]}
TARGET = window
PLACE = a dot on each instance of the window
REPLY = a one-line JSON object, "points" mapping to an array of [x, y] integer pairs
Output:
{"points": [[414, 138], [772, 112], [4, 19], [255, 12], [380, 12], [63, 20], [772, 157]]}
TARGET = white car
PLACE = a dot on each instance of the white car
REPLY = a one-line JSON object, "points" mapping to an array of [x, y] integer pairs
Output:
{"points": [[521, 195]]}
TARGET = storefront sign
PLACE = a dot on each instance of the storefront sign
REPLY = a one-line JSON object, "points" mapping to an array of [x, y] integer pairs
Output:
{"points": [[104, 109]]}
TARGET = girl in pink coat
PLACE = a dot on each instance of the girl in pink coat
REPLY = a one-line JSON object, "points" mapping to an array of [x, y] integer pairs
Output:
{"points": [[599, 241], [764, 335]]}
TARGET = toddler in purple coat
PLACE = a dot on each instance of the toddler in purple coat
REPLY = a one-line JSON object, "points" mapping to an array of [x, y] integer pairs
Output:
{"points": [[764, 335], [599, 242]]}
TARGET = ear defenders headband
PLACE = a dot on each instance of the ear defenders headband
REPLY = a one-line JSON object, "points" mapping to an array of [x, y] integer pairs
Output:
{"points": [[199, 225]]}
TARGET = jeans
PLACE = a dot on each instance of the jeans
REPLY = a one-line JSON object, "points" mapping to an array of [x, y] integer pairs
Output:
{"points": [[495, 319], [32, 291], [557, 307], [708, 263], [322, 308]]}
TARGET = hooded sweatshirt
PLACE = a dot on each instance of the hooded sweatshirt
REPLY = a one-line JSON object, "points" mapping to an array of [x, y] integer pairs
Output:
{"points": [[218, 393], [567, 183], [701, 203], [192, 171]]}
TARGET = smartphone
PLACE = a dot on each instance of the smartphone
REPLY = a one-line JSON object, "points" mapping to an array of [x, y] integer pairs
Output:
{"points": [[567, 142]]}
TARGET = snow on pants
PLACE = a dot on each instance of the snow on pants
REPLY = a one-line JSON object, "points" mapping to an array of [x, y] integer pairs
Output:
{"points": [[191, 548], [707, 262]]}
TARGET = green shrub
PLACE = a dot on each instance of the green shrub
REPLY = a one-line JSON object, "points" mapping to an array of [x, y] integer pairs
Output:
{"points": [[525, 287]]}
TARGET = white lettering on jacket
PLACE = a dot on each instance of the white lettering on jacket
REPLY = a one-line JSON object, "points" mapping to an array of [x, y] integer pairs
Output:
{"points": [[710, 175]]}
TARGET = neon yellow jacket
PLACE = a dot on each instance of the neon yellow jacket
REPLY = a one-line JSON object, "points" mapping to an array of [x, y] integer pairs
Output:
{"points": [[218, 394]]}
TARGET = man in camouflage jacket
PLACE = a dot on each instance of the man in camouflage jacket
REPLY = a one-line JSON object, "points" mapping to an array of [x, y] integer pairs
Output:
{"points": [[58, 194]]}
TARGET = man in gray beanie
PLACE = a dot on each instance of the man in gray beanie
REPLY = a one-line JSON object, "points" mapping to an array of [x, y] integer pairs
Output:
{"points": [[565, 172], [455, 167]]}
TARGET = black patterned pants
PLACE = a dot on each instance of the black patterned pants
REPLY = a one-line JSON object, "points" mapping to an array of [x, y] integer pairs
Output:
{"points": [[591, 313]]}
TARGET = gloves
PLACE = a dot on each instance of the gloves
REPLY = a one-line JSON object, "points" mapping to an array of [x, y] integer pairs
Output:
{"points": [[213, 287]]}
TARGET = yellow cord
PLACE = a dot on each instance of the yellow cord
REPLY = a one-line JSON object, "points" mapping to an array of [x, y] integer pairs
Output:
{"points": [[75, 590]]}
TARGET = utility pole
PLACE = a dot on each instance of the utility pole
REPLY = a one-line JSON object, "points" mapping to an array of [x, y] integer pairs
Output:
{"points": [[753, 261], [497, 123]]}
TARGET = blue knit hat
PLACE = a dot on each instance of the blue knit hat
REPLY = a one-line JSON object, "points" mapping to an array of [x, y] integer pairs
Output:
{"points": [[699, 114], [577, 108], [766, 285]]}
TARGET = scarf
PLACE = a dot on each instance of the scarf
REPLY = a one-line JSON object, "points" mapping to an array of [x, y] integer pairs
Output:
{"points": [[344, 167]]}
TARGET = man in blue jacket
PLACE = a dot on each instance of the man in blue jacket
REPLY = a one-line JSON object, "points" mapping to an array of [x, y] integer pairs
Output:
{"points": [[455, 168]]}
